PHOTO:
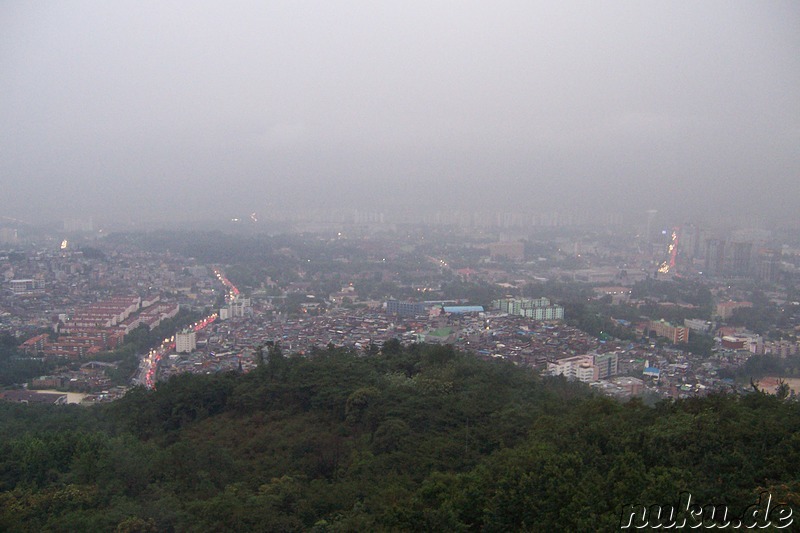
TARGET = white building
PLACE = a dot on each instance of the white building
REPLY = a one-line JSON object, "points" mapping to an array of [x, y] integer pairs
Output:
{"points": [[535, 308], [186, 342], [580, 367], [239, 307], [26, 286]]}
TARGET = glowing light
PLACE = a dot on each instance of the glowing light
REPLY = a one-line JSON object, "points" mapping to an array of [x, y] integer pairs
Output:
{"points": [[672, 252]]}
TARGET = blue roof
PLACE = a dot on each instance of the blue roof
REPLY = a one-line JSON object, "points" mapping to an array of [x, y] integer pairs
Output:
{"points": [[464, 309]]}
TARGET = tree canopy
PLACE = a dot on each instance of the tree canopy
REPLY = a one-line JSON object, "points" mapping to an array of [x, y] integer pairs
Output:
{"points": [[415, 438]]}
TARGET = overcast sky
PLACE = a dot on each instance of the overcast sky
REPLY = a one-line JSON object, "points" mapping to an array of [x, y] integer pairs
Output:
{"points": [[197, 109]]}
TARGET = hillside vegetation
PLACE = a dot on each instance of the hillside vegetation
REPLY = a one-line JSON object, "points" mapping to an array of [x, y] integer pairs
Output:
{"points": [[418, 438]]}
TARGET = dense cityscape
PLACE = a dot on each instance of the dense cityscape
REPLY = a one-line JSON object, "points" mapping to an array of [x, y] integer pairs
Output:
{"points": [[652, 310]]}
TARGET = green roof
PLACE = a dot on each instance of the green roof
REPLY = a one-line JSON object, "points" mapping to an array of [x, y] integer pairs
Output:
{"points": [[442, 332]]}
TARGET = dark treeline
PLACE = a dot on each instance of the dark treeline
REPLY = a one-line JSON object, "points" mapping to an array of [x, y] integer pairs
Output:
{"points": [[418, 438], [17, 367], [759, 366]]}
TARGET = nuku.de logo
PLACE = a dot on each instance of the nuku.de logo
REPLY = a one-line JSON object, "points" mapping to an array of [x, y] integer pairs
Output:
{"points": [[686, 514]]}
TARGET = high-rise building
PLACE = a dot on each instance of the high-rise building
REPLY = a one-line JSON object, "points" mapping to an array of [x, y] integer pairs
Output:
{"points": [[675, 334], [8, 236], [186, 341], [769, 266], [689, 243], [512, 251], [715, 257], [396, 307], [651, 220], [607, 364], [740, 258]]}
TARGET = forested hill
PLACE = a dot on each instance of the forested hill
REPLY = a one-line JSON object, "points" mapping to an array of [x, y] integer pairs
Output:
{"points": [[421, 438]]}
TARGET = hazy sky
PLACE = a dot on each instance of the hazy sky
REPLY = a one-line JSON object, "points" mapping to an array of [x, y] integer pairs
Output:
{"points": [[198, 109]]}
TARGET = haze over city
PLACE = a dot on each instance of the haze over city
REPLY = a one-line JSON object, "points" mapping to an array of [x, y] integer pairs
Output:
{"points": [[190, 111]]}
